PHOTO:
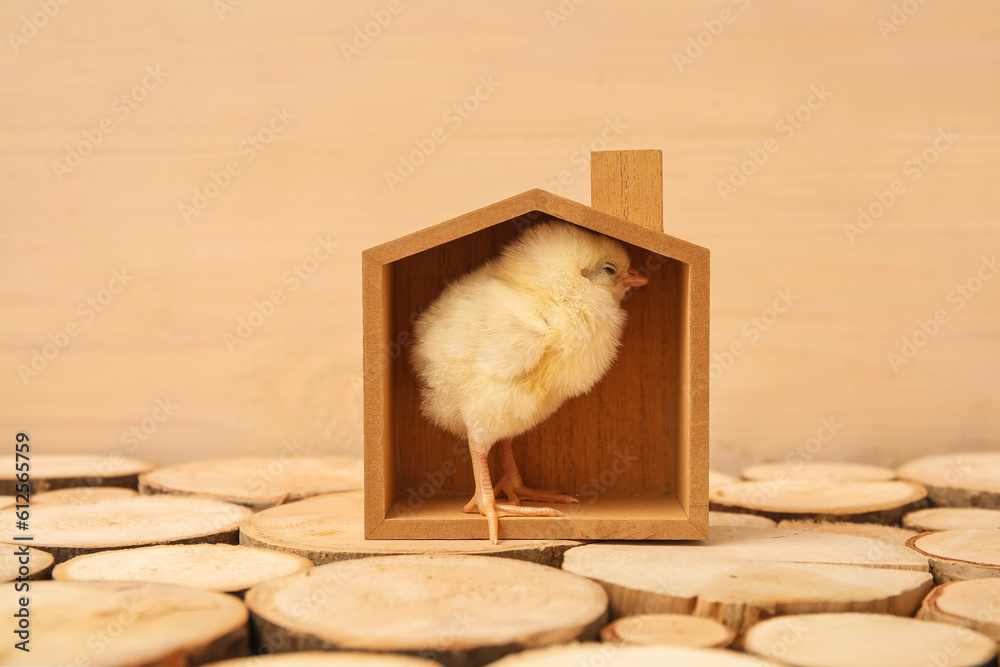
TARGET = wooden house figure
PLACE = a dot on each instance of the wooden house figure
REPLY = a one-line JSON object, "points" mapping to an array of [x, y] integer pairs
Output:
{"points": [[634, 450]]}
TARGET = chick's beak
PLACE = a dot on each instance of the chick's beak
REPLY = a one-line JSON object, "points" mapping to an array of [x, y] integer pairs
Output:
{"points": [[634, 279]]}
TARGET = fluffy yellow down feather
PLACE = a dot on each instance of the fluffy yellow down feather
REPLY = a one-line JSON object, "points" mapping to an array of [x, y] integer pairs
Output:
{"points": [[505, 345]]}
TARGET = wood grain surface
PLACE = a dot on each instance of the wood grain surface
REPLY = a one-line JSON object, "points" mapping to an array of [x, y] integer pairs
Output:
{"points": [[974, 603], [473, 610], [153, 624], [868, 640], [67, 531], [330, 528], [742, 575], [187, 188], [225, 568]]}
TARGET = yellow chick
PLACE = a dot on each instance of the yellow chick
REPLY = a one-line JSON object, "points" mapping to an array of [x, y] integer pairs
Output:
{"points": [[505, 345]]}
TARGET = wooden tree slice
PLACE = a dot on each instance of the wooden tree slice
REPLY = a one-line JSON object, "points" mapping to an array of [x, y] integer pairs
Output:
{"points": [[75, 495], [330, 528], [952, 518], [860, 502], [257, 482], [958, 480], [668, 630], [876, 531], [459, 610], [614, 655], [735, 519], [743, 575], [60, 471], [67, 531], [82, 495], [819, 471], [213, 567], [957, 555], [327, 659], [974, 604], [104, 623], [719, 478], [39, 564], [868, 640], [779, 545]]}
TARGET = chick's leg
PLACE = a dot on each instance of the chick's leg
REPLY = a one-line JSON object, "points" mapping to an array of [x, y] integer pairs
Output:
{"points": [[512, 485], [486, 501]]}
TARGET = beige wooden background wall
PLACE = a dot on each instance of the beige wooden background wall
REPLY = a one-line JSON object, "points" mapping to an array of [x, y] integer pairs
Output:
{"points": [[115, 116]]}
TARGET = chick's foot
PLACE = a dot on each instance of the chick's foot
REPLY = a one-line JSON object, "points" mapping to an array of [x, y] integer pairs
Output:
{"points": [[516, 491], [492, 510], [513, 486], [484, 499]]}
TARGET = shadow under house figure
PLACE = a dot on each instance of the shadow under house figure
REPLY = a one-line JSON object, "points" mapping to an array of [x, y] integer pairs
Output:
{"points": [[505, 345]]}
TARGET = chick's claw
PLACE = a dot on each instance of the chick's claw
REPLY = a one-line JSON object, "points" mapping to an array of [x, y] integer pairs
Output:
{"points": [[513, 486], [516, 491]]}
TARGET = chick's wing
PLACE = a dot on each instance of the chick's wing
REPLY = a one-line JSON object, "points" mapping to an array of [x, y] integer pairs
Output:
{"points": [[514, 335]]}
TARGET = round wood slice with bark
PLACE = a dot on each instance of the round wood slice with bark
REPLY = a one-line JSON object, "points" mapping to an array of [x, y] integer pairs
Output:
{"points": [[614, 655], [121, 623], [60, 471], [458, 610], [668, 630], [75, 495], [82, 495], [224, 568], [958, 480], [67, 531], [743, 575], [330, 528], [868, 640], [952, 518], [973, 603], [858, 502], [957, 555], [876, 531], [820, 471], [257, 482]]}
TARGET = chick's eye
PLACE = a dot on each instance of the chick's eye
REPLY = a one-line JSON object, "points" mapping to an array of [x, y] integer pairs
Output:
{"points": [[610, 270]]}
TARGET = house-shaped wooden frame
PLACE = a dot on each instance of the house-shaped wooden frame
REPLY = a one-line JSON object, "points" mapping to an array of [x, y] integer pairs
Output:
{"points": [[634, 450]]}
